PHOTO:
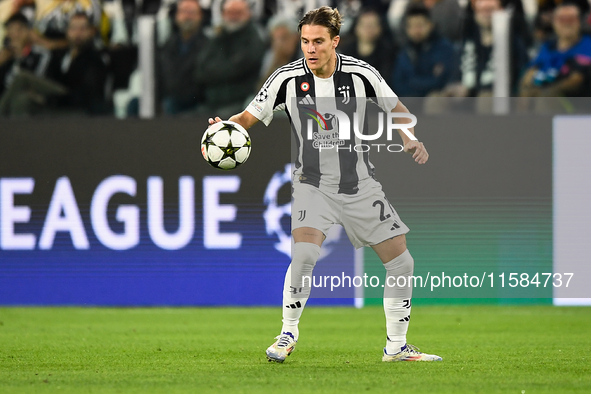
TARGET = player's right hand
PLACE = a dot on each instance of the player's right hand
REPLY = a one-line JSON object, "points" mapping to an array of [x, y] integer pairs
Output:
{"points": [[417, 150], [214, 120]]}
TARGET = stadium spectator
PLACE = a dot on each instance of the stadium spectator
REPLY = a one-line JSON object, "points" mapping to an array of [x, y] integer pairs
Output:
{"points": [[52, 20], [371, 42], [10, 7], [19, 53], [426, 63], [23, 87], [229, 65], [285, 46], [519, 26], [177, 60], [548, 6], [563, 66], [544, 20], [81, 68], [447, 17], [477, 66], [351, 9], [257, 11]]}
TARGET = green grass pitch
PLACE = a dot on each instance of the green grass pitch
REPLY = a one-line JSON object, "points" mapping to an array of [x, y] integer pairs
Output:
{"points": [[485, 349]]}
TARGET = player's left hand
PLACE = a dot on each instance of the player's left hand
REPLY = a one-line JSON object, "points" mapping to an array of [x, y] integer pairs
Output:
{"points": [[214, 120], [418, 151]]}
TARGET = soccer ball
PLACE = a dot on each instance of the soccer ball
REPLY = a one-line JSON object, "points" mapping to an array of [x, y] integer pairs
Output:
{"points": [[225, 145]]}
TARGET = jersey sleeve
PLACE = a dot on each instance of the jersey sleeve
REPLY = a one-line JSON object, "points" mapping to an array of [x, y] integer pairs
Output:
{"points": [[376, 87], [266, 101], [387, 99]]}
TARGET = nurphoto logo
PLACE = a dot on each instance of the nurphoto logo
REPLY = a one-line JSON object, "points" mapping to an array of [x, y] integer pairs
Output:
{"points": [[333, 128]]}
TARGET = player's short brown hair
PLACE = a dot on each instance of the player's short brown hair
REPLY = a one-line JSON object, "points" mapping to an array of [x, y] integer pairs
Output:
{"points": [[323, 16]]}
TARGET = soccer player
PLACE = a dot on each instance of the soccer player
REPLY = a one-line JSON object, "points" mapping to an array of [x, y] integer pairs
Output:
{"points": [[336, 186]]}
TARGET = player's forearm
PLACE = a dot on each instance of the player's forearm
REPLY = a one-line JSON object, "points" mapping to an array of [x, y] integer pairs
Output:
{"points": [[402, 109], [244, 119]]}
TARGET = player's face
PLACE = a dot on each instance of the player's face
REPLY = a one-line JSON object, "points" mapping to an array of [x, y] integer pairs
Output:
{"points": [[319, 49]]}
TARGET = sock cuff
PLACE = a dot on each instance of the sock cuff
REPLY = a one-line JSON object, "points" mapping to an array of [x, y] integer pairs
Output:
{"points": [[398, 261], [307, 249]]}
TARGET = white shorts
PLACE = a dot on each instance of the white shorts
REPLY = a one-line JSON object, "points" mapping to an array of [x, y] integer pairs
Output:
{"points": [[367, 216]]}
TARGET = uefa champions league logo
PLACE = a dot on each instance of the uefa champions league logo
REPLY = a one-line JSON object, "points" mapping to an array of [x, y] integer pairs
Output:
{"points": [[275, 212]]}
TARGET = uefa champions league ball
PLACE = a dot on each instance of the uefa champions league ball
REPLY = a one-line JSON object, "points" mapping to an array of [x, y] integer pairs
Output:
{"points": [[225, 145]]}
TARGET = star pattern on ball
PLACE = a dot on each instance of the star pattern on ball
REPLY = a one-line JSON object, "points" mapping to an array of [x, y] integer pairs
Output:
{"points": [[229, 151]]}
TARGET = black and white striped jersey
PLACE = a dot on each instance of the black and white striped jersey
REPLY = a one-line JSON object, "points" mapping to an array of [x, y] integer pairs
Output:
{"points": [[295, 89]]}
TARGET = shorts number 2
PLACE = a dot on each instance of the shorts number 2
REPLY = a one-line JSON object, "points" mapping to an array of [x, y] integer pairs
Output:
{"points": [[382, 206]]}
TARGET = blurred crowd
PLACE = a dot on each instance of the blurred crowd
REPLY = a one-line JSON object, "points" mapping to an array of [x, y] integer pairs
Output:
{"points": [[81, 56]]}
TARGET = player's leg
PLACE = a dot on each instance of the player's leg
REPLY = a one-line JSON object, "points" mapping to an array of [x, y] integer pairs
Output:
{"points": [[397, 299], [399, 266], [313, 215], [297, 286], [372, 221], [296, 289]]}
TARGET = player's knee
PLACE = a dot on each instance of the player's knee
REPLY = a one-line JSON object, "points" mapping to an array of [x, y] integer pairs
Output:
{"points": [[407, 263], [401, 265], [305, 253]]}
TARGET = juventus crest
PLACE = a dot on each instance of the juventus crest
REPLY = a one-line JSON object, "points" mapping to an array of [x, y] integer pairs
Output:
{"points": [[344, 90]]}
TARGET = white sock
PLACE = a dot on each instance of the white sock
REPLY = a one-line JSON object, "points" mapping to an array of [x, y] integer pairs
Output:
{"points": [[295, 294], [397, 300]]}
